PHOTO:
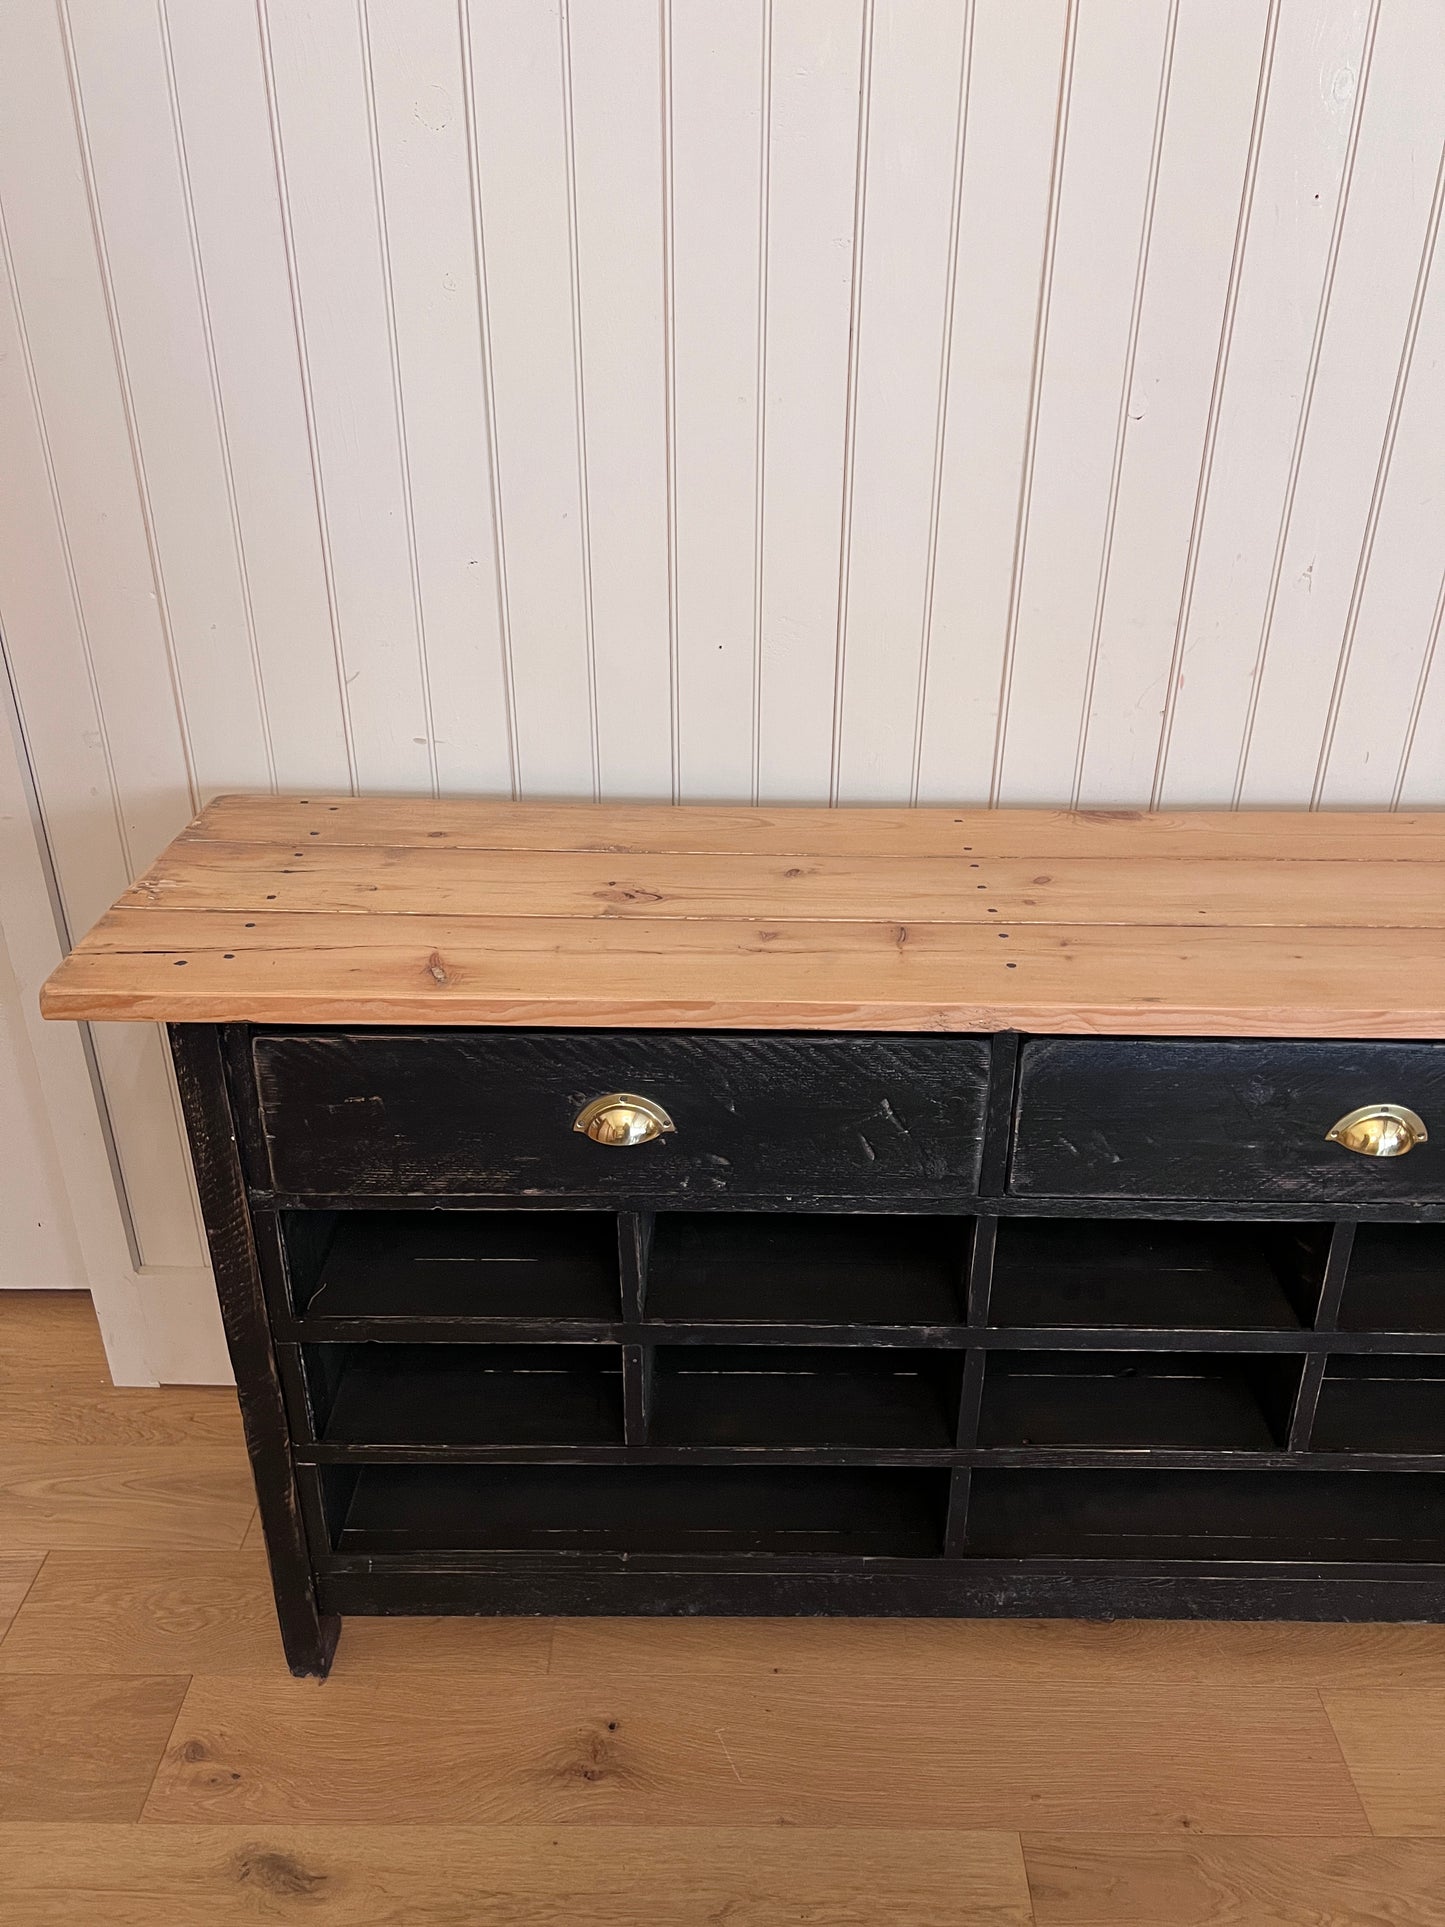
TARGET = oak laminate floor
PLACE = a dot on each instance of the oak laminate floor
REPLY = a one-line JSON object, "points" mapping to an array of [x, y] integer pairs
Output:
{"points": [[157, 1765]]}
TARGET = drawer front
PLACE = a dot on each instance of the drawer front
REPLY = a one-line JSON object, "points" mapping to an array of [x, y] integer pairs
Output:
{"points": [[492, 1113], [1159, 1119]]}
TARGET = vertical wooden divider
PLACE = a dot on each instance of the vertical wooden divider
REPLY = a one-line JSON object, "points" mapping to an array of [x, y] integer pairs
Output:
{"points": [[977, 1278], [634, 1248], [1327, 1316]]}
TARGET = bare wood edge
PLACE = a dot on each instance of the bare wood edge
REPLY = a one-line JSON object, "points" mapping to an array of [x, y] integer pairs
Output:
{"points": [[463, 1008]]}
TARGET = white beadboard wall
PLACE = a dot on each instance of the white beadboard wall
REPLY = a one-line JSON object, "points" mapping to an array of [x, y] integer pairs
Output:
{"points": [[842, 400]]}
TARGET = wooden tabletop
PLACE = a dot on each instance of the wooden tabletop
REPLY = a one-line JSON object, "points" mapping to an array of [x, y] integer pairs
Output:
{"points": [[345, 910]]}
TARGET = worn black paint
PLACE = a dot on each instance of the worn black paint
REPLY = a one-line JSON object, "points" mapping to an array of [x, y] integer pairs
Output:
{"points": [[1167, 1118], [833, 1350], [479, 1111], [309, 1636]]}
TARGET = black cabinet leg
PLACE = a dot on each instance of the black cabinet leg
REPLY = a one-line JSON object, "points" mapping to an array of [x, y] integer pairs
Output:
{"points": [[308, 1636]]}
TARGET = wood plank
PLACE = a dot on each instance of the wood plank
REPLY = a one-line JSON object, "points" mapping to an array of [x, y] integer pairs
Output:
{"points": [[51, 1336], [225, 125], [475, 823], [173, 1611], [1016, 59], [1213, 91], [1394, 1746], [425, 203], [149, 1613], [181, 449], [613, 60], [842, 1751], [447, 1647], [1257, 433], [1228, 1658], [1043, 978], [1143, 891], [812, 101], [466, 913], [908, 157], [317, 75], [1118, 82], [46, 1411], [81, 1747], [714, 53], [1358, 387], [108, 1496], [55, 1388], [17, 1576], [437, 1876], [1083, 1881]]}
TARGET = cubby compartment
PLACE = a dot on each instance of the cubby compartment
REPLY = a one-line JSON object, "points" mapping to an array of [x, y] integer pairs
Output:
{"points": [[460, 1395], [1154, 1275], [422, 1264], [764, 1395], [1382, 1404], [827, 1512], [1395, 1280], [1216, 1402], [1144, 1515], [777, 1269]]}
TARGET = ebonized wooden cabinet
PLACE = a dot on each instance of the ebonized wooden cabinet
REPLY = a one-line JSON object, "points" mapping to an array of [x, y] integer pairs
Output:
{"points": [[885, 1312], [536, 1373]]}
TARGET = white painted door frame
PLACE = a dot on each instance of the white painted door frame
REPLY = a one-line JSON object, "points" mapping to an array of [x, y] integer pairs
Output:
{"points": [[160, 1323]]}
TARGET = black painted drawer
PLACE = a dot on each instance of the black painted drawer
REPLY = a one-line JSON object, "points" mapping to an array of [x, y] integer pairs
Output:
{"points": [[453, 1113], [1156, 1118]]}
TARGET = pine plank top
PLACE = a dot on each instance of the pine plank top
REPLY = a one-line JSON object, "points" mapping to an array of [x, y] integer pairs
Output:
{"points": [[346, 910]]}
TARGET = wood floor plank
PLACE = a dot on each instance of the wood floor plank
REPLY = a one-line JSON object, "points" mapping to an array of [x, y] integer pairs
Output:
{"points": [[17, 1576], [1227, 1657], [50, 1337], [459, 1648], [508, 1877], [122, 1612], [1394, 1745], [81, 1747], [54, 1497], [1083, 1881], [871, 1750], [53, 1412]]}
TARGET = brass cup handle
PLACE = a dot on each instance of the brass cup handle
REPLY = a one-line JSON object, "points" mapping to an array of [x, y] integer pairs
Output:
{"points": [[1379, 1131], [622, 1118]]}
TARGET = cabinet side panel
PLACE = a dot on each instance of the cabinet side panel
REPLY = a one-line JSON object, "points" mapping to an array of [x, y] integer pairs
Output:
{"points": [[309, 1638]]}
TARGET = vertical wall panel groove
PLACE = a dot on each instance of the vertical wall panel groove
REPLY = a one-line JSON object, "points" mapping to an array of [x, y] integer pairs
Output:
{"points": [[1381, 481], [940, 433], [1352, 148], [1041, 332], [850, 412], [1174, 681], [303, 357], [1126, 384], [378, 188], [579, 383], [217, 400], [1417, 709], [127, 399], [760, 431], [484, 329]]}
